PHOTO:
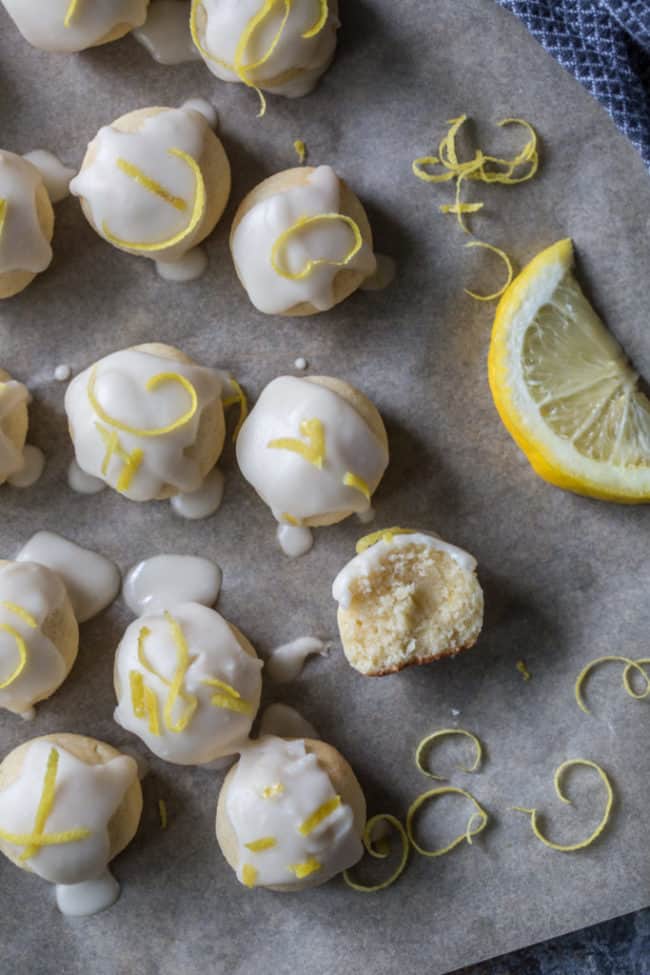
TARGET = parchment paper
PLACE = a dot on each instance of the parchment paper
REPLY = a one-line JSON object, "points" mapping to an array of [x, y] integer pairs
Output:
{"points": [[565, 578]]}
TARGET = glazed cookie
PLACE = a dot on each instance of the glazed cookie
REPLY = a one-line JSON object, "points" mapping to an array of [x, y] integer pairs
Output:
{"points": [[188, 683], [68, 805], [39, 636], [14, 421], [406, 598], [154, 182], [66, 26], [26, 224], [281, 48], [290, 814], [301, 242], [147, 420], [314, 450]]}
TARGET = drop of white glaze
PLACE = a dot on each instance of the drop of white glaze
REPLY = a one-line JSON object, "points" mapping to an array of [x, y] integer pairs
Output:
{"points": [[384, 274], [92, 580], [88, 897], [83, 483], [204, 502], [286, 662], [29, 714], [29, 473], [189, 267], [455, 712], [294, 540], [285, 722], [62, 373], [166, 33], [301, 363], [205, 109], [155, 584], [365, 517], [55, 175]]}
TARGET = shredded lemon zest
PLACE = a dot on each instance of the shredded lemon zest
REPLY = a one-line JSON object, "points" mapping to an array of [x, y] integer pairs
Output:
{"points": [[324, 810], [151, 385], [248, 875], [506, 260], [384, 535], [630, 664], [467, 835], [131, 461], [136, 684], [70, 12], [239, 396], [272, 791], [424, 744], [557, 782], [149, 184], [378, 852], [320, 23], [523, 669], [228, 688], [264, 843], [176, 686], [290, 520], [229, 703], [22, 612], [358, 483], [306, 868], [313, 451], [3, 214], [301, 150], [299, 225], [144, 701], [196, 216], [162, 812], [21, 647], [38, 838], [151, 709]]}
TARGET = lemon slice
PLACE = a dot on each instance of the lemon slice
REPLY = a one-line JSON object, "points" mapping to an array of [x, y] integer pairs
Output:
{"points": [[564, 388]]}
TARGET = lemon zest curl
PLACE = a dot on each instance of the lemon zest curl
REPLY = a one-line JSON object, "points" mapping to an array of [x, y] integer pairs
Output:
{"points": [[443, 732], [379, 853], [479, 814]]}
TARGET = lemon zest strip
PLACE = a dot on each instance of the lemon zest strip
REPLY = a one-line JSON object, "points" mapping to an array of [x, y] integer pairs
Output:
{"points": [[641, 662], [144, 701], [215, 682], [443, 732], [197, 43], [272, 791], [20, 611], [149, 184], [248, 875], [176, 686], [324, 810], [242, 70], [132, 461], [506, 260], [21, 646], [299, 225], [239, 396], [264, 843], [313, 451], [557, 782], [37, 838], [229, 703], [358, 483], [301, 150], [162, 812], [523, 669], [630, 664], [195, 217], [306, 868], [152, 384], [70, 12], [379, 853], [320, 23], [384, 535], [290, 520], [3, 215], [467, 835]]}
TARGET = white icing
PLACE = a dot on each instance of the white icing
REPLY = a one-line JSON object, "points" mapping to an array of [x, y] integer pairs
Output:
{"points": [[301, 363], [13, 396], [285, 722], [207, 110], [188, 267], [121, 203], [40, 593], [370, 560], [365, 517], [83, 483], [23, 245], [43, 24], [203, 502], [89, 896], [253, 240], [383, 276], [32, 468], [92, 580], [63, 372], [296, 63], [86, 797], [285, 480], [294, 540], [334, 842], [285, 663], [157, 583], [55, 175], [166, 33], [120, 381], [213, 731]]}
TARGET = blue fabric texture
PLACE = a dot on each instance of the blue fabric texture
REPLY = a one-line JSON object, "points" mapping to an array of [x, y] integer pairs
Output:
{"points": [[606, 45]]}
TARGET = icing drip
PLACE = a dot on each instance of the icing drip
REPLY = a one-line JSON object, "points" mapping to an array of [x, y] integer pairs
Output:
{"points": [[23, 245], [89, 896], [383, 276], [13, 396], [165, 34], [329, 240], [33, 463], [83, 483], [91, 580], [156, 583], [203, 502], [185, 686], [280, 794], [133, 421], [207, 110], [294, 540], [285, 722], [60, 25], [189, 267], [55, 175], [286, 662]]}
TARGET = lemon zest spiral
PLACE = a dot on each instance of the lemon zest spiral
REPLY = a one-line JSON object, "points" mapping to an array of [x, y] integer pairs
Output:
{"points": [[299, 225], [380, 853], [21, 647], [152, 384], [467, 835], [630, 665], [442, 733], [506, 260]]}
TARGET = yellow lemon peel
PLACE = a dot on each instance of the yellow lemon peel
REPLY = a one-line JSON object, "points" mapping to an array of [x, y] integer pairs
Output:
{"points": [[22, 612], [162, 813], [21, 647], [248, 875], [227, 697], [176, 686], [378, 851], [150, 386], [358, 483], [630, 665], [70, 12], [196, 216], [3, 214], [313, 451], [435, 736], [557, 782], [301, 152], [290, 520], [306, 868], [132, 461], [479, 813], [317, 27], [264, 843], [506, 260], [299, 225], [523, 669], [144, 702], [272, 791], [149, 184], [239, 396], [384, 535], [324, 810]]}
